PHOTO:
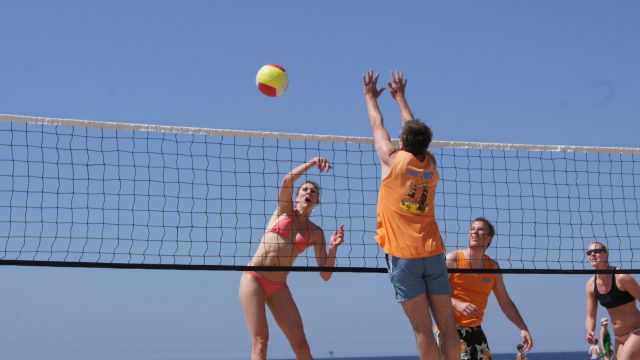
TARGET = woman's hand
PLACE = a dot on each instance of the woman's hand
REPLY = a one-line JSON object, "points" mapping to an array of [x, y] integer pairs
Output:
{"points": [[322, 163], [527, 341], [590, 336], [337, 238]]}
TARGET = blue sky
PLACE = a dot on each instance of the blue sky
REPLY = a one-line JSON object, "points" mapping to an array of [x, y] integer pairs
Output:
{"points": [[543, 72]]}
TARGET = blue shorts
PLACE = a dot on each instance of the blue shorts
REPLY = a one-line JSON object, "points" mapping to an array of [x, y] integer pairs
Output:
{"points": [[414, 277]]}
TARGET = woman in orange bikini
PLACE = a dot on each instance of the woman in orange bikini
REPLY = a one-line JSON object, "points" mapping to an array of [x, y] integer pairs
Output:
{"points": [[618, 293], [289, 232]]}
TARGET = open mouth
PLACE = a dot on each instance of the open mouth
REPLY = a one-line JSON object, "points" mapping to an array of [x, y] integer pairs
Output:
{"points": [[307, 200]]}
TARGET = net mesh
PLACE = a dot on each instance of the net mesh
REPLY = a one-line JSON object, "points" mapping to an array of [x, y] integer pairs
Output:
{"points": [[92, 194]]}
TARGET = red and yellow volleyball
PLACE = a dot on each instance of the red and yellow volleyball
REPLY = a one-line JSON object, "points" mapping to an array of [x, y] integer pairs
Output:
{"points": [[272, 80]]}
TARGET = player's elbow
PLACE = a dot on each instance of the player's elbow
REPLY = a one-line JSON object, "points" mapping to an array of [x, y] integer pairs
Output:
{"points": [[507, 305], [287, 181]]}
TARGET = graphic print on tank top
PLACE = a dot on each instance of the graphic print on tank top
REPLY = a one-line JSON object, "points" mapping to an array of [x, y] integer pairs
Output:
{"points": [[416, 194]]}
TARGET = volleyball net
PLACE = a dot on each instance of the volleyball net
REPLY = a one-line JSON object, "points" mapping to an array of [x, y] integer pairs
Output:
{"points": [[100, 194]]}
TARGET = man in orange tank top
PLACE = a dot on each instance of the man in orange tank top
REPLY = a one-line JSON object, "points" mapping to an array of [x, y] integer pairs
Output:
{"points": [[470, 293], [407, 230]]}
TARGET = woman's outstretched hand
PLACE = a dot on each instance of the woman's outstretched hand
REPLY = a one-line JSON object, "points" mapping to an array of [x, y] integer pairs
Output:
{"points": [[322, 163]]}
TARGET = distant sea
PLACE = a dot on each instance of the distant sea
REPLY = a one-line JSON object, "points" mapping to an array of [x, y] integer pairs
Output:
{"points": [[532, 356]]}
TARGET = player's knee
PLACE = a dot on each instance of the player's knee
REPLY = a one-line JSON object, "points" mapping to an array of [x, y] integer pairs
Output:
{"points": [[448, 328], [423, 329]]}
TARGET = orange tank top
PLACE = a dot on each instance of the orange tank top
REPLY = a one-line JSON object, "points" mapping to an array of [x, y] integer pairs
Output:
{"points": [[471, 288], [407, 226]]}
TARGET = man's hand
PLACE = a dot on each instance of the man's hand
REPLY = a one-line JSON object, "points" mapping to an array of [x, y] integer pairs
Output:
{"points": [[370, 82], [465, 308], [397, 85]]}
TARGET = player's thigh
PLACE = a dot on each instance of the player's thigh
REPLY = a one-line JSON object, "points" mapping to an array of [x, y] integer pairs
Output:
{"points": [[253, 306], [418, 312], [442, 311], [630, 350], [286, 313], [407, 278], [436, 276]]}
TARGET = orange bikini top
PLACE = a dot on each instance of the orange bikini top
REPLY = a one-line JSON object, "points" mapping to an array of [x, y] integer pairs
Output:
{"points": [[283, 229]]}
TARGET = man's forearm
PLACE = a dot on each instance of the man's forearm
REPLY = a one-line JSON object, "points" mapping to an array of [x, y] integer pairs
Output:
{"points": [[375, 116], [405, 110]]}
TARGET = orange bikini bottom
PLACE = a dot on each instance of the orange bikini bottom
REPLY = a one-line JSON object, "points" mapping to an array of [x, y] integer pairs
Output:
{"points": [[269, 287]]}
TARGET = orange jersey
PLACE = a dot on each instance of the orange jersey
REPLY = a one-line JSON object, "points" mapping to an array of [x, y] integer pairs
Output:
{"points": [[407, 226], [471, 288]]}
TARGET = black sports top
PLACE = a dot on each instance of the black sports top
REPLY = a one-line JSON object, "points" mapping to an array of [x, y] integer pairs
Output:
{"points": [[615, 297]]}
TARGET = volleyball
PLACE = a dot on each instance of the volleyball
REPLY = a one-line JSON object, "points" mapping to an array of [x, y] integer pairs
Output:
{"points": [[272, 80]]}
